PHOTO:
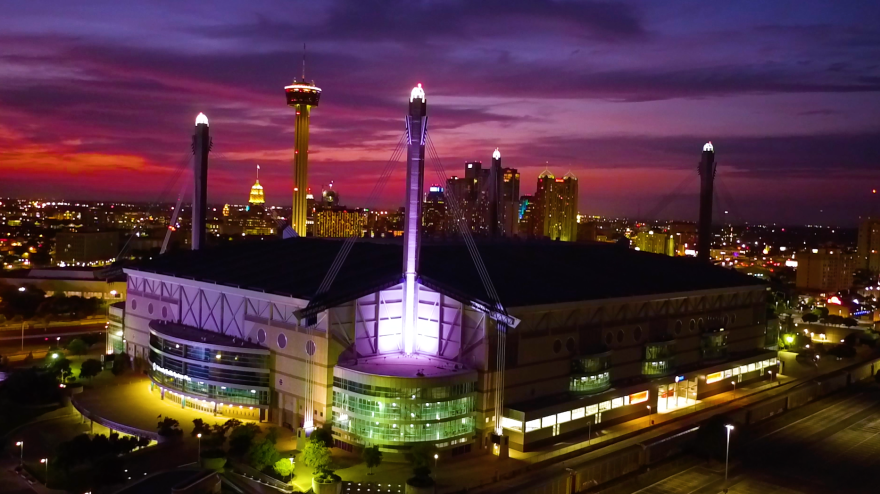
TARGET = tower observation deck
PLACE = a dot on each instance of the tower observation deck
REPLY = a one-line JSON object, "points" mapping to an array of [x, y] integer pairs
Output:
{"points": [[301, 96]]}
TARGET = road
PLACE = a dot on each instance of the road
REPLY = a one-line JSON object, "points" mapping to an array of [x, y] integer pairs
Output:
{"points": [[31, 333], [832, 445]]}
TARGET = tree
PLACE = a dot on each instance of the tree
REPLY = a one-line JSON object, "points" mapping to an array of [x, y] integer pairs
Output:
{"points": [[262, 454], [168, 427], [77, 347], [850, 322], [835, 319], [283, 467], [242, 437], [316, 455], [60, 367], [90, 368], [323, 435], [121, 364], [810, 317], [372, 457], [821, 312], [2, 319]]}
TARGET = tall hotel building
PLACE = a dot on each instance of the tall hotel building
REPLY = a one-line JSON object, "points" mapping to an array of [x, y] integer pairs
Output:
{"points": [[401, 349]]}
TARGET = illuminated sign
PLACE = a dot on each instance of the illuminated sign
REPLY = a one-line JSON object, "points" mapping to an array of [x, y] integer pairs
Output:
{"points": [[861, 312], [708, 147], [636, 398], [679, 379], [714, 377], [435, 188], [170, 373], [834, 300]]}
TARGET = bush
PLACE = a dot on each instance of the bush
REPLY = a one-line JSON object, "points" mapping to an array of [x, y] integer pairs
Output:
{"points": [[283, 467], [327, 476], [168, 427], [810, 317], [121, 364], [77, 347]]}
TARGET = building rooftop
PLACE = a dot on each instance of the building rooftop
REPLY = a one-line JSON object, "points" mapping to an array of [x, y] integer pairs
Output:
{"points": [[197, 335], [524, 272]]}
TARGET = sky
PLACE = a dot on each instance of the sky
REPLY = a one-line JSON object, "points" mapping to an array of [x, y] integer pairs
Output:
{"points": [[98, 98]]}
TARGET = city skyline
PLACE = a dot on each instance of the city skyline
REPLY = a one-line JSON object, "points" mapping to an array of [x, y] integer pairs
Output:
{"points": [[88, 104]]}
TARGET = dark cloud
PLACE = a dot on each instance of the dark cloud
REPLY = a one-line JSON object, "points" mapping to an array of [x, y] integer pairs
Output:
{"points": [[376, 21]]}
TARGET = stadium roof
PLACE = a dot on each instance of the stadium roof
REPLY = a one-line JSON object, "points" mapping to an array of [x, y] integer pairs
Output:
{"points": [[524, 272]]}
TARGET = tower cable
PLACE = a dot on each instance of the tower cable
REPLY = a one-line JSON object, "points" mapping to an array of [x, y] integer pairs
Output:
{"points": [[496, 306]]}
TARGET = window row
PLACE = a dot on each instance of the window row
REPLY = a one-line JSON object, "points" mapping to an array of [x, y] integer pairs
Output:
{"points": [[405, 410], [740, 369], [578, 413], [369, 431], [435, 393]]}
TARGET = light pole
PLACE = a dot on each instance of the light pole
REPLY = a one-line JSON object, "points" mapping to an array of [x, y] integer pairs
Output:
{"points": [[46, 462], [22, 336], [436, 456], [199, 435], [20, 444], [727, 455], [734, 389], [291, 469], [649, 414]]}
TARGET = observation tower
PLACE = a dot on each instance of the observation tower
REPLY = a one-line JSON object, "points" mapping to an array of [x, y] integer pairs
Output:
{"points": [[301, 96]]}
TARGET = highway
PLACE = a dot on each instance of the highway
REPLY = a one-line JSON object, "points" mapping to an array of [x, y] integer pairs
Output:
{"points": [[832, 445]]}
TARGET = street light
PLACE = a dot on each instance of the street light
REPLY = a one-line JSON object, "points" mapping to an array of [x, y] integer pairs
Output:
{"points": [[291, 468], [435, 460], [734, 389], [727, 455], [46, 462], [21, 289], [199, 435], [20, 444]]}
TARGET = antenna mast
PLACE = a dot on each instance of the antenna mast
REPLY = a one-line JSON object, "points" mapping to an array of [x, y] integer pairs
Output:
{"points": [[304, 62]]}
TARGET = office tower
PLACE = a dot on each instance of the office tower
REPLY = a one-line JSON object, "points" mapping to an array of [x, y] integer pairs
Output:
{"points": [[707, 179], [416, 132], [556, 207], [868, 247], [434, 215], [301, 96], [201, 146], [257, 196]]}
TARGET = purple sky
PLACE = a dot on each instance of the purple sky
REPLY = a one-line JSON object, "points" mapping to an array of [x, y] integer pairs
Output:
{"points": [[98, 99]]}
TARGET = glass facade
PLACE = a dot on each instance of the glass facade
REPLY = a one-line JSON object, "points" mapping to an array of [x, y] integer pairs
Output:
{"points": [[590, 374], [401, 415], [659, 359], [713, 346], [173, 367]]}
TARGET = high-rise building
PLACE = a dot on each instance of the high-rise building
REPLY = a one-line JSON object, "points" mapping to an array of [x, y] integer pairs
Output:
{"points": [[825, 270], [556, 207], [256, 196], [434, 213], [868, 247], [339, 222], [302, 96], [657, 242]]}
